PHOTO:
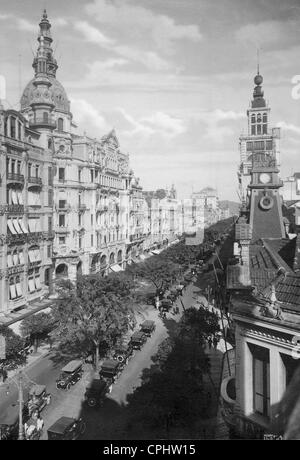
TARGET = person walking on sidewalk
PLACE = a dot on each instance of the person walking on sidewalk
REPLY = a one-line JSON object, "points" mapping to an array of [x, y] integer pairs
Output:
{"points": [[216, 341]]}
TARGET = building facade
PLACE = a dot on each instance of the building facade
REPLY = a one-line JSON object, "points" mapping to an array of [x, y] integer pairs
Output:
{"points": [[264, 287]]}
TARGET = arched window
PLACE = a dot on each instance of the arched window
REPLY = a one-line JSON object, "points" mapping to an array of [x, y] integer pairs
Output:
{"points": [[60, 124], [258, 118], [50, 143], [253, 118], [265, 118]]}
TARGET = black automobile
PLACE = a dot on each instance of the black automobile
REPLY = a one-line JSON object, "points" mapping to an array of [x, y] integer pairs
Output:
{"points": [[66, 428], [110, 370], [123, 353], [147, 327], [70, 374], [96, 391], [137, 340]]}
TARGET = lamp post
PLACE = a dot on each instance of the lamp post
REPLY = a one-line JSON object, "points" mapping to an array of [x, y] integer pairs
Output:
{"points": [[21, 402]]}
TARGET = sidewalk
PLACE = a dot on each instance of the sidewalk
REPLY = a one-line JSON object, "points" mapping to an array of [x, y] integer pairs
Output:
{"points": [[43, 350]]}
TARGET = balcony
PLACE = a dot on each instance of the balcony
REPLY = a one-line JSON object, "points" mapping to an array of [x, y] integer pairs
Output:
{"points": [[62, 229], [64, 208], [34, 181], [13, 178], [42, 123], [14, 209], [13, 142]]}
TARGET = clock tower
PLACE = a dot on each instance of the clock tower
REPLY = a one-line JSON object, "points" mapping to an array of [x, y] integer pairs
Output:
{"points": [[260, 138], [266, 218]]}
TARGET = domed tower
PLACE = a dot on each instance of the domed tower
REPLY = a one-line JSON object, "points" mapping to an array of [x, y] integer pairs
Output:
{"points": [[44, 101], [260, 138]]}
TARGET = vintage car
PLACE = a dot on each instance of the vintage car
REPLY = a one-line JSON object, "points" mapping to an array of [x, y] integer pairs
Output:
{"points": [[70, 375], [166, 305], [123, 353], [137, 340], [110, 370], [96, 391], [38, 398], [147, 327], [66, 428]]}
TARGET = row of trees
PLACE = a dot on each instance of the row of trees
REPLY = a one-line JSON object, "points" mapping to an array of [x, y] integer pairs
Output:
{"points": [[172, 391]]}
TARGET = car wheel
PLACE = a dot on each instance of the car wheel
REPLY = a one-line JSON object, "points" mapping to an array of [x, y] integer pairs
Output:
{"points": [[92, 402], [68, 386]]}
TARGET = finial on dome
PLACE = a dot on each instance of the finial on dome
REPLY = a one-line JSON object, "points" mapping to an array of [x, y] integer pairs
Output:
{"points": [[45, 14]]}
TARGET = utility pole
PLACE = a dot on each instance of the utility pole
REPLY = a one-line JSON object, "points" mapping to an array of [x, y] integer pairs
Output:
{"points": [[21, 402]]}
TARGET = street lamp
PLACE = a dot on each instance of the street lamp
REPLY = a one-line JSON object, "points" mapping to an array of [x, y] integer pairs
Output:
{"points": [[19, 383]]}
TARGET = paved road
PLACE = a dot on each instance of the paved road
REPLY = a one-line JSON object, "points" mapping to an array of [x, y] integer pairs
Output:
{"points": [[107, 422]]}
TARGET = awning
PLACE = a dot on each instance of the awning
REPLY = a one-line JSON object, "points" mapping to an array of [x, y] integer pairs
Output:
{"points": [[20, 198], [156, 252], [31, 256], [143, 257], [12, 290], [37, 282], [16, 259], [31, 285], [14, 197], [23, 226], [37, 255], [19, 289], [9, 260], [116, 268], [17, 226], [32, 224], [11, 227]]}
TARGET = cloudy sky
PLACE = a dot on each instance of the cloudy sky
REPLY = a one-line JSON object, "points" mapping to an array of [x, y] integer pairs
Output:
{"points": [[173, 77]]}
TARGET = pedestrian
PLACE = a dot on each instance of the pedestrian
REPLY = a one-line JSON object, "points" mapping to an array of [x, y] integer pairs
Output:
{"points": [[215, 340], [4, 375], [209, 340]]}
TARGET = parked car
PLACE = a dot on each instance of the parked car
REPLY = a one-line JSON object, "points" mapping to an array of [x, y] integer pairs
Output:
{"points": [[147, 327], [110, 370], [137, 340], [70, 374], [96, 391], [123, 353], [166, 305], [66, 429], [38, 398]]}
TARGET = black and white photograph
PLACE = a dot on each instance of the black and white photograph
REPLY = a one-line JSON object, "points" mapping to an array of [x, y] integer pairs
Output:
{"points": [[149, 222]]}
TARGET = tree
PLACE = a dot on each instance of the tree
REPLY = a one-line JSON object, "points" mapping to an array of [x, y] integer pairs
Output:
{"points": [[94, 313], [37, 327], [160, 272], [14, 343]]}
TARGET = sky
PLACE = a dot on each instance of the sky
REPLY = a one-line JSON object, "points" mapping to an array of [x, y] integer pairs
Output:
{"points": [[173, 77]]}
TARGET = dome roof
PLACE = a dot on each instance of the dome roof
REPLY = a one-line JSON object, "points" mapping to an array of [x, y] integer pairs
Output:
{"points": [[258, 79], [49, 91]]}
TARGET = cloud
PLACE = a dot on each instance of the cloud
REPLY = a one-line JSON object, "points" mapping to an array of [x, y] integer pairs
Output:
{"points": [[59, 22], [92, 35], [288, 127], [214, 119], [138, 22], [89, 118], [159, 123]]}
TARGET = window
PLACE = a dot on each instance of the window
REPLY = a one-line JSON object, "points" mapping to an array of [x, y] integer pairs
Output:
{"points": [[62, 204], [92, 176], [19, 130], [265, 129], [45, 117], [37, 169], [60, 124], [49, 224], [80, 242], [61, 220], [92, 219], [13, 127], [265, 118], [49, 251], [50, 143], [92, 240], [62, 240], [18, 167], [29, 169], [261, 380], [50, 197], [79, 219], [61, 174], [258, 129], [50, 177], [253, 130], [79, 175]]}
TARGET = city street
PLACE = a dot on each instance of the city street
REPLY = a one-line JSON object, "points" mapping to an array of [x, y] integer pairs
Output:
{"points": [[107, 422]]}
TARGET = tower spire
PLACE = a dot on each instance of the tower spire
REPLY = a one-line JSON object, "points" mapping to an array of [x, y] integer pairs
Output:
{"points": [[44, 62], [257, 61]]}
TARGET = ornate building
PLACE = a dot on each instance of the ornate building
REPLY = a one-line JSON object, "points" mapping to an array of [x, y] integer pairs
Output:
{"points": [[264, 285]]}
